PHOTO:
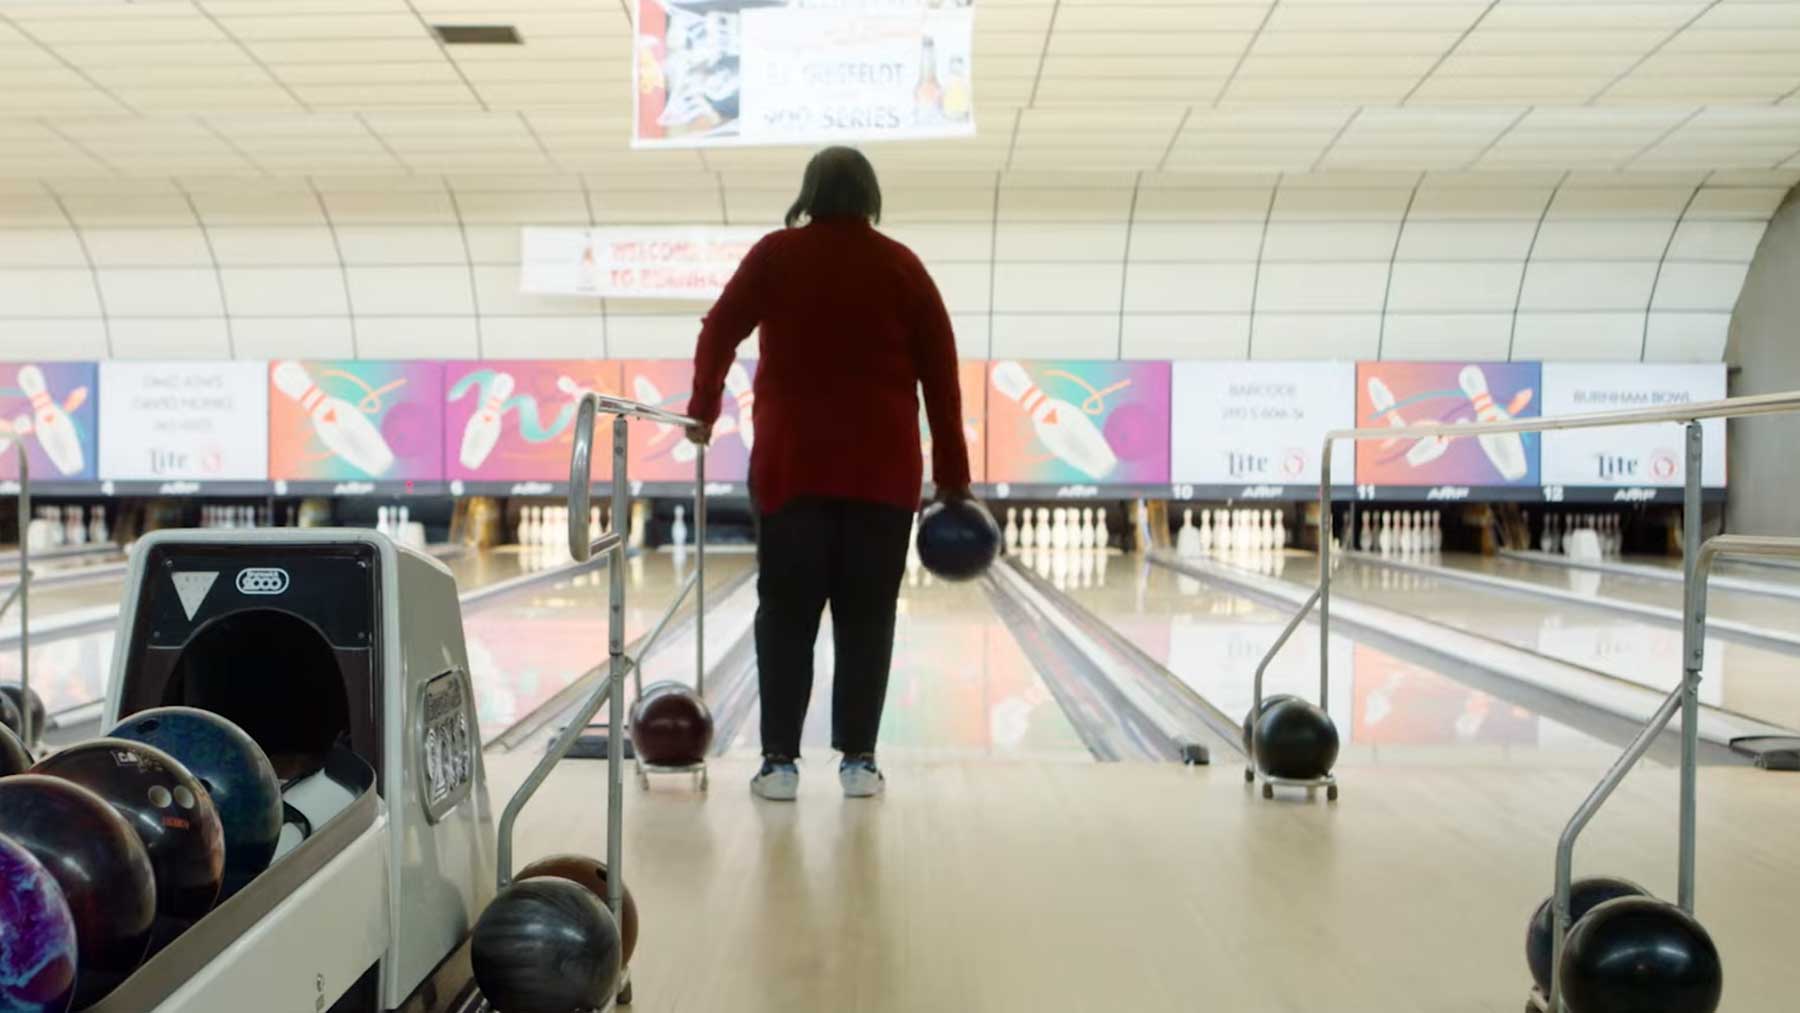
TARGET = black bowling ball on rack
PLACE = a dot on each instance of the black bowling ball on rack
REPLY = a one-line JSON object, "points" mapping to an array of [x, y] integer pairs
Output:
{"points": [[671, 726], [1584, 895], [1640, 955], [1295, 740], [546, 945]]}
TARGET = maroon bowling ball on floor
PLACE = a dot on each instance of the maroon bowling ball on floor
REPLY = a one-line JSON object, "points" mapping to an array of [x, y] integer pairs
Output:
{"points": [[671, 726]]}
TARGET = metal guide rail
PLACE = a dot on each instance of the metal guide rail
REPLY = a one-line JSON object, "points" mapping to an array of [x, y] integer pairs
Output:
{"points": [[21, 594], [611, 690], [1696, 564]]}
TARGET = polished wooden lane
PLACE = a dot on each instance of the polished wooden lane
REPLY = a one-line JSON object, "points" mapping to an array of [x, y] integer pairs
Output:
{"points": [[1032, 886]]}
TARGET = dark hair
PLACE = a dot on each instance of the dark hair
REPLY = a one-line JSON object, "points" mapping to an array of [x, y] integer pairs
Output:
{"points": [[839, 183]]}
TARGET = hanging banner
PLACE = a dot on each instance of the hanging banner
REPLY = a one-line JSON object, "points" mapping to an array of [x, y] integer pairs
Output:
{"points": [[632, 263], [1400, 393], [184, 421], [49, 408], [722, 72], [1086, 423], [356, 422], [1259, 425], [1639, 456], [513, 420]]}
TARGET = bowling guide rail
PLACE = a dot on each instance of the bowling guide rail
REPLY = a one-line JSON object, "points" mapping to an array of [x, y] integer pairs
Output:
{"points": [[21, 593], [611, 690], [1696, 563]]}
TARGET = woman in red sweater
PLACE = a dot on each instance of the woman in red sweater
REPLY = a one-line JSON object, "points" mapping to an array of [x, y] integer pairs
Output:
{"points": [[851, 328]]}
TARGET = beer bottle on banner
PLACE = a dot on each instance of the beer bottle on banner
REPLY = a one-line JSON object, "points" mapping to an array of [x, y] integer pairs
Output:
{"points": [[928, 97]]}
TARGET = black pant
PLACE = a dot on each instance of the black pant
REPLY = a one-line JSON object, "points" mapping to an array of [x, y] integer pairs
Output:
{"points": [[851, 554]]}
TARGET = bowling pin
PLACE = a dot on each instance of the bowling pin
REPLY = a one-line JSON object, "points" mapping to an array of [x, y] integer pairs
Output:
{"points": [[1044, 533], [1505, 450], [594, 529], [1012, 529], [76, 530], [1385, 539], [53, 427], [1063, 428], [737, 384], [1187, 540], [1206, 532], [483, 430], [679, 530], [1281, 533], [97, 532], [525, 533], [343, 429], [1027, 536], [635, 537]]}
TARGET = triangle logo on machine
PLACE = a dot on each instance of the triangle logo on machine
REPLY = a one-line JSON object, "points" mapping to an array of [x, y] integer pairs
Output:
{"points": [[192, 588]]}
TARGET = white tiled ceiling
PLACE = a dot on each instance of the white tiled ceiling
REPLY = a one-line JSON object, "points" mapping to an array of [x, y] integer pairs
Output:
{"points": [[294, 88]]}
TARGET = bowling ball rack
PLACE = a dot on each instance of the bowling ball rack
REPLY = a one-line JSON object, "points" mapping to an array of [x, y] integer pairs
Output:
{"points": [[610, 691]]}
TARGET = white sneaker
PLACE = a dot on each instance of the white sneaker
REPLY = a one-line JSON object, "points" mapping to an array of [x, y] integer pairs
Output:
{"points": [[860, 777], [777, 781]]}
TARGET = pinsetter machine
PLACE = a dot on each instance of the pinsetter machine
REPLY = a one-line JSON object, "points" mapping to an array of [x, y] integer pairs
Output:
{"points": [[342, 655]]}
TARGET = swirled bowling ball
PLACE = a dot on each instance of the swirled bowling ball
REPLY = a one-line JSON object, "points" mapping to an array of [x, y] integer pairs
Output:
{"points": [[167, 807], [14, 757], [20, 700], [101, 866], [1584, 895], [1640, 955], [591, 873], [671, 726], [37, 936], [546, 946], [1296, 740], [958, 539], [1269, 700], [236, 774]]}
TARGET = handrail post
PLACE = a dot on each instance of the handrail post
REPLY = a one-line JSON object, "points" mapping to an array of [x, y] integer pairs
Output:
{"points": [[1325, 535], [1693, 654], [615, 648], [25, 724], [700, 571]]}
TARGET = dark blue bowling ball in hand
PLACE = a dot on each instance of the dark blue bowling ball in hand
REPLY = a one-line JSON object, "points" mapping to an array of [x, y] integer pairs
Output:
{"points": [[958, 539]]}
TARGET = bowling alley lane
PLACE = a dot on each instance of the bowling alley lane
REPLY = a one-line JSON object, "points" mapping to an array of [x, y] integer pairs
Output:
{"points": [[1756, 682], [525, 648], [961, 687], [1388, 709], [1738, 606]]}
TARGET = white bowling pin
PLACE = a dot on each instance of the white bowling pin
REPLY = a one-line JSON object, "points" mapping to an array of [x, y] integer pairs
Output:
{"points": [[526, 533], [348, 433], [1385, 539], [1437, 531], [1505, 450], [679, 530], [1206, 532], [1281, 533], [1012, 529], [483, 430], [1187, 540], [1043, 528], [737, 384], [97, 532], [1065, 429], [53, 427], [1027, 534], [75, 530]]}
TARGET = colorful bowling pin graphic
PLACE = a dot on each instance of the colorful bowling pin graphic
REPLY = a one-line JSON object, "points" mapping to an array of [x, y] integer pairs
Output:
{"points": [[646, 391], [53, 427], [1505, 450], [737, 384], [346, 432], [1063, 428], [483, 430], [1425, 450]]}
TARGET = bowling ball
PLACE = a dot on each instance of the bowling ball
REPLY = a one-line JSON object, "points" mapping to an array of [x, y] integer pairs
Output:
{"points": [[9, 714], [671, 726], [14, 757], [17, 697], [958, 539], [166, 805], [1584, 896], [101, 866], [37, 936], [1269, 700], [1640, 955], [235, 773], [546, 946], [1296, 740], [590, 873]]}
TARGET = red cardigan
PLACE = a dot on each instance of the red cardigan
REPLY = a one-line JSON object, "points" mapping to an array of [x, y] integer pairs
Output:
{"points": [[851, 328]]}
